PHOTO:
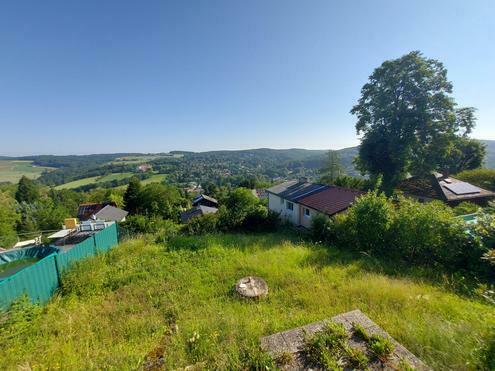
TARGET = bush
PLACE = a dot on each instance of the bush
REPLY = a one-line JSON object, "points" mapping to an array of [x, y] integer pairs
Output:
{"points": [[366, 225], [260, 219], [426, 233], [201, 224], [405, 229], [136, 224], [321, 228], [465, 208]]}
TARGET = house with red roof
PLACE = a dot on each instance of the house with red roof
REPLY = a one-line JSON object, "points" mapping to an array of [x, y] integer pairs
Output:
{"points": [[298, 201]]}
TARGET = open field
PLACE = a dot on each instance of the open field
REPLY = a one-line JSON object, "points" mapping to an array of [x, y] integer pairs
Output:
{"points": [[144, 302], [94, 179], [13, 170], [156, 178]]}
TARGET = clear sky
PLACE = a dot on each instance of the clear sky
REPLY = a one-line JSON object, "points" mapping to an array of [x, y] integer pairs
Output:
{"points": [[100, 76]]}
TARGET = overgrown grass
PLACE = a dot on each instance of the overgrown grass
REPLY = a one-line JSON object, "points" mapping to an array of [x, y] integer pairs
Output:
{"points": [[174, 305]]}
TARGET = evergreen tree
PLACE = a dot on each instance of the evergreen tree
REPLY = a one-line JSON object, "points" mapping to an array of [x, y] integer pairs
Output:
{"points": [[27, 191], [332, 168], [132, 196]]}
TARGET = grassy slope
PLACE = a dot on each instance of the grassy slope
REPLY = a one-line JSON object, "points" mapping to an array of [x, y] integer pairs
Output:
{"points": [[94, 179], [117, 309], [13, 170]]}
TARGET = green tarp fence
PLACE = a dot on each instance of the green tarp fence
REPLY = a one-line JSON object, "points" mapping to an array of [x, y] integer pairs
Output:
{"points": [[27, 253], [40, 280]]}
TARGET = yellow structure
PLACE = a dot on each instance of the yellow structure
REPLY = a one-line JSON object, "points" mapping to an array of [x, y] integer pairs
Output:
{"points": [[70, 223]]}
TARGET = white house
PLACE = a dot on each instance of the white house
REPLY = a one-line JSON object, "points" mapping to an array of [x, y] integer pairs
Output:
{"points": [[297, 201]]}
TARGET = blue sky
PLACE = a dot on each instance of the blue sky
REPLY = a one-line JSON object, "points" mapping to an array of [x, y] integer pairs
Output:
{"points": [[149, 76]]}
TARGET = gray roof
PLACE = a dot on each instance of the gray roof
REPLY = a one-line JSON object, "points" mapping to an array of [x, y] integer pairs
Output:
{"points": [[294, 190], [204, 197], [111, 214], [197, 211]]}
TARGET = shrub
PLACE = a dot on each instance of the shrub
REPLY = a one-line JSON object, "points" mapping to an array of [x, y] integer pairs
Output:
{"points": [[136, 224], [366, 225], [260, 219], [201, 224], [425, 233], [465, 208], [321, 228]]}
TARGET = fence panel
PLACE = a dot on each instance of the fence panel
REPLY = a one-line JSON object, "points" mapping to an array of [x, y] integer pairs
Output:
{"points": [[107, 238], [39, 281], [80, 251]]}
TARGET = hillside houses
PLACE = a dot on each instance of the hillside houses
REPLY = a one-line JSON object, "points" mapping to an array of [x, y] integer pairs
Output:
{"points": [[444, 188], [298, 201]]}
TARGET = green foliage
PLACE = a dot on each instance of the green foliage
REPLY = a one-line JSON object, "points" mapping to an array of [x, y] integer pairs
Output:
{"points": [[381, 346], [161, 200], [27, 191], [8, 220], [326, 347], [132, 196], [465, 208], [408, 119], [484, 178], [156, 225], [243, 211], [18, 319], [366, 225], [322, 228], [201, 224], [464, 154], [404, 229], [118, 307], [347, 181], [332, 168]]}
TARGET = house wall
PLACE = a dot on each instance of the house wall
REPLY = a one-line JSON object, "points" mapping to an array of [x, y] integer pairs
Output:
{"points": [[304, 220], [275, 204]]}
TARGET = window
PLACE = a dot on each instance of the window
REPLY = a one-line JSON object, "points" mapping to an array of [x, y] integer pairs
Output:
{"points": [[281, 201], [307, 214], [290, 206]]}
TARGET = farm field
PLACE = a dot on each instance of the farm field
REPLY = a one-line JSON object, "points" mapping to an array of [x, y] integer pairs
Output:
{"points": [[13, 170], [146, 303], [156, 178], [94, 179]]}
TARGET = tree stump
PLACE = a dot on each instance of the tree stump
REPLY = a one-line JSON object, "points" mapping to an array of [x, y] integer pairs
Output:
{"points": [[252, 287]]}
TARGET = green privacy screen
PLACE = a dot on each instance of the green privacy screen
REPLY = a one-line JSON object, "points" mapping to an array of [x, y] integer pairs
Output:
{"points": [[106, 238], [40, 280], [80, 251]]}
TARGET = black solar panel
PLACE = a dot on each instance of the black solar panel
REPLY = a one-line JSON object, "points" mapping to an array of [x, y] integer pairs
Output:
{"points": [[462, 188]]}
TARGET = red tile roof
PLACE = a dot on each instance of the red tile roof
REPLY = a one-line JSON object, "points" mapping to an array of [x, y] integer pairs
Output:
{"points": [[331, 200]]}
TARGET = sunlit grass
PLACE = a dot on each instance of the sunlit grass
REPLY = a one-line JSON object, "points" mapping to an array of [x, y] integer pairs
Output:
{"points": [[144, 299]]}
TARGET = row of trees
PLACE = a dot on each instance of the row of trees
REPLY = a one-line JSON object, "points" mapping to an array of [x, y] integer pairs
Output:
{"points": [[28, 208]]}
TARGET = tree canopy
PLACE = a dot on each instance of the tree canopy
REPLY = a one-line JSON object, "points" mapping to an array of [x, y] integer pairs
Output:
{"points": [[409, 121]]}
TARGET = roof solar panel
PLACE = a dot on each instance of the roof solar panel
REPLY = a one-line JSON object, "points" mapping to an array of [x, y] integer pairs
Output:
{"points": [[462, 188]]}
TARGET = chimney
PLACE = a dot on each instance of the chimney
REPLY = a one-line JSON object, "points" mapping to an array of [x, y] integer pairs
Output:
{"points": [[303, 179]]}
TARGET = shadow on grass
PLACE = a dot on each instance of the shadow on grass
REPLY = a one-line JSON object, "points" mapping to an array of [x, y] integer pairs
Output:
{"points": [[461, 283]]}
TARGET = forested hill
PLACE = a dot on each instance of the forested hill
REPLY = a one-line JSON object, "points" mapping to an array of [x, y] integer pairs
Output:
{"points": [[215, 166]]}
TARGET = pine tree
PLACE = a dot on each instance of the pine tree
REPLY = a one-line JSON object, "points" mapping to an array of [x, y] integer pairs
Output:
{"points": [[27, 191], [332, 168]]}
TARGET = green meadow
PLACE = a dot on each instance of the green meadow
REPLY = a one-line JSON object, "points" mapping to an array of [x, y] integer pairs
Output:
{"points": [[173, 305], [13, 170]]}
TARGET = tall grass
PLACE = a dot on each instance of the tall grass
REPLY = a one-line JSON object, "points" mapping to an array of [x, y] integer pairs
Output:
{"points": [[174, 305]]}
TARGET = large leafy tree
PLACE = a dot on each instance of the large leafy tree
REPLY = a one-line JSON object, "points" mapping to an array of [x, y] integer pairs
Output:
{"points": [[408, 120]]}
